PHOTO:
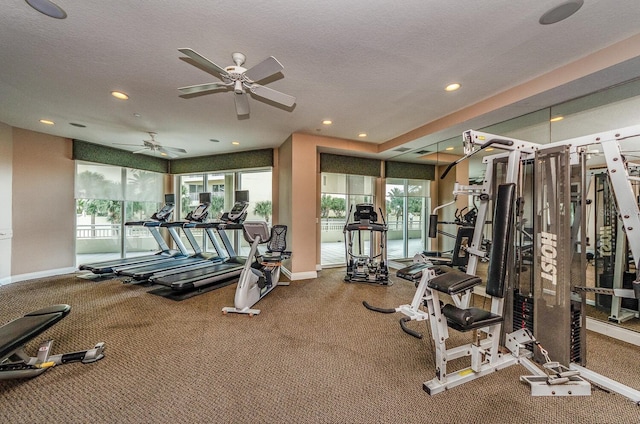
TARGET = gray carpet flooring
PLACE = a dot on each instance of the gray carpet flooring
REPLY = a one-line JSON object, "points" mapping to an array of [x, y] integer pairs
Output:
{"points": [[314, 355]]}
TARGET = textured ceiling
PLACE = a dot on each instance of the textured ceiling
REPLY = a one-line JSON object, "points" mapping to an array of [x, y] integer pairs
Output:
{"points": [[370, 66]]}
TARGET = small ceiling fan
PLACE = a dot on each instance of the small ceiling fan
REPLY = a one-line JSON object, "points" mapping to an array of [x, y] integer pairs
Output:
{"points": [[240, 80], [155, 147]]}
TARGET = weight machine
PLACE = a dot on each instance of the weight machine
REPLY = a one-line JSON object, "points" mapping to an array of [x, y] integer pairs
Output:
{"points": [[533, 306]]}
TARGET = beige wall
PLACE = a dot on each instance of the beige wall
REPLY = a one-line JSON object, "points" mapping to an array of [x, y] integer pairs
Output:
{"points": [[299, 197], [43, 205], [282, 206], [6, 178]]}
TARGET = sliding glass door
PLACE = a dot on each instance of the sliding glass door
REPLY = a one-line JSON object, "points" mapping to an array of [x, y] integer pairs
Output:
{"points": [[407, 203], [340, 193]]}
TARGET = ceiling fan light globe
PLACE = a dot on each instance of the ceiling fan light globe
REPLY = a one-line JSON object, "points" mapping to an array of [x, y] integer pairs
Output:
{"points": [[238, 58]]}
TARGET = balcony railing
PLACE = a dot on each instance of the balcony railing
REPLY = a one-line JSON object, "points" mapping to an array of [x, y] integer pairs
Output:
{"points": [[107, 231]]}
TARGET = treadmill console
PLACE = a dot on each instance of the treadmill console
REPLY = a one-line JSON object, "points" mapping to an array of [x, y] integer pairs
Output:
{"points": [[164, 214], [237, 214], [202, 211], [365, 212], [199, 214]]}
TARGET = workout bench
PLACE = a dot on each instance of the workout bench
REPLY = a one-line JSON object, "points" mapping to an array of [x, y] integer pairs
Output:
{"points": [[14, 335]]}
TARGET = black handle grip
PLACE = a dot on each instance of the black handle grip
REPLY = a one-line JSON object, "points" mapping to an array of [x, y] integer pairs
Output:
{"points": [[433, 226], [376, 309], [407, 330], [446, 171], [484, 146], [497, 141]]}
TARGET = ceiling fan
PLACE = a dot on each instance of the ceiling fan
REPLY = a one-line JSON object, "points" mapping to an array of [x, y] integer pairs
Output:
{"points": [[155, 147], [240, 80]]}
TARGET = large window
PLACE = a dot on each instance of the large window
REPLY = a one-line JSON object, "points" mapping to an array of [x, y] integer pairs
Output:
{"points": [[222, 187], [340, 193], [107, 197], [407, 208]]}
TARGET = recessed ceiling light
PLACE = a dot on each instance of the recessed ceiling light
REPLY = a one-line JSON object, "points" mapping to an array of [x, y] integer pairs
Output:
{"points": [[561, 12], [556, 119], [490, 149], [136, 115], [48, 8], [362, 135], [47, 122], [120, 95], [449, 148], [327, 122], [77, 125], [452, 87], [235, 143]]}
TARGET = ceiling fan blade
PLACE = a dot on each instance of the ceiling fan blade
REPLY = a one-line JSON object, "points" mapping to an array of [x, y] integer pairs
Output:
{"points": [[124, 144], [273, 95], [191, 89], [264, 69], [164, 152], [242, 103], [146, 149], [173, 149], [203, 61]]}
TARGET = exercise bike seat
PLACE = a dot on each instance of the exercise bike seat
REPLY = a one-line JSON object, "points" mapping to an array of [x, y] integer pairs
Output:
{"points": [[18, 332]]}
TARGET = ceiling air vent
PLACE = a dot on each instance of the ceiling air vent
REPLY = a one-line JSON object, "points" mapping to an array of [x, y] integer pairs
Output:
{"points": [[422, 152], [401, 149]]}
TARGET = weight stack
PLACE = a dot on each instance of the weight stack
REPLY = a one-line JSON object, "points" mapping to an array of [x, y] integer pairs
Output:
{"points": [[523, 314]]}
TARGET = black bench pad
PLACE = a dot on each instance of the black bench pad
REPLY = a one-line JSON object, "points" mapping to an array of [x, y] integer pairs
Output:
{"points": [[471, 319], [18, 332], [452, 281]]}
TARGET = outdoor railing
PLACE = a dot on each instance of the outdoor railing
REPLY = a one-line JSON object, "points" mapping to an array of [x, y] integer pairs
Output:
{"points": [[102, 231]]}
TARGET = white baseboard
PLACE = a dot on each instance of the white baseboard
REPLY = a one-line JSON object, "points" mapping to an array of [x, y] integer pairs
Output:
{"points": [[39, 274], [614, 331], [294, 276]]}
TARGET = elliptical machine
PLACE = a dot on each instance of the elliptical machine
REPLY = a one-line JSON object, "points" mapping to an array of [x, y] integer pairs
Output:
{"points": [[261, 272], [366, 266]]}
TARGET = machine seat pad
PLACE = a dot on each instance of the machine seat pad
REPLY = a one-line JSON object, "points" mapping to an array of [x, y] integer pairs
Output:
{"points": [[453, 281], [472, 318], [413, 272], [272, 257], [18, 332]]}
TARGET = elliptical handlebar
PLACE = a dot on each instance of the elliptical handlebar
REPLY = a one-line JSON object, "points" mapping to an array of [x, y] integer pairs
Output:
{"points": [[384, 221]]}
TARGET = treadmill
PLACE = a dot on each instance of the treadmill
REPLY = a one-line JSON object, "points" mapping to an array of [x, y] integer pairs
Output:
{"points": [[142, 272], [223, 272], [153, 225]]}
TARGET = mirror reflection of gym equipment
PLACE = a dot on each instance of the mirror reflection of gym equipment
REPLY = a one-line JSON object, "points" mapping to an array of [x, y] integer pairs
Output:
{"points": [[538, 297], [613, 265]]}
